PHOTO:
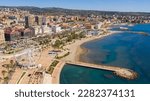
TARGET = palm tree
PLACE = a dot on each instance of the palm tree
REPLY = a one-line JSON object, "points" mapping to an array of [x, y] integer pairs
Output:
{"points": [[6, 79], [4, 73], [12, 64]]}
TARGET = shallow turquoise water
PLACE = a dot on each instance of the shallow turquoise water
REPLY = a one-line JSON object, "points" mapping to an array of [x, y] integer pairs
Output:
{"points": [[125, 49]]}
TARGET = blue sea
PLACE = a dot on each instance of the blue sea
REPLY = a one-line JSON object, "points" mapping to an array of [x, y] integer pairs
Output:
{"points": [[125, 49]]}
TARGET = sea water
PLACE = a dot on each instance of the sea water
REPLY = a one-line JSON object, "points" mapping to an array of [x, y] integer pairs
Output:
{"points": [[125, 49]]}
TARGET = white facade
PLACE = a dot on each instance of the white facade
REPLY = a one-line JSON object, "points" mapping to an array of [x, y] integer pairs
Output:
{"points": [[99, 25], [56, 29], [44, 29], [94, 32], [47, 30]]}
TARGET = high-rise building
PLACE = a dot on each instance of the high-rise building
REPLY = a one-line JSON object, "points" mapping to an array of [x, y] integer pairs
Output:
{"points": [[43, 20], [32, 20], [26, 22], [2, 39], [37, 20], [8, 35], [40, 20]]}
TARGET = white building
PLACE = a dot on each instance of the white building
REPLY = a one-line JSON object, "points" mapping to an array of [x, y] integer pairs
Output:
{"points": [[93, 32], [47, 29], [44, 29], [99, 25], [56, 29]]}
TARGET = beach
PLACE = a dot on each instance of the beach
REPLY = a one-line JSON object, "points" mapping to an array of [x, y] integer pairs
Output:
{"points": [[124, 50], [75, 52]]}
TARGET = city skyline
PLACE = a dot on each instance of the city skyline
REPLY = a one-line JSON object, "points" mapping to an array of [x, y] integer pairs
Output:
{"points": [[101, 5]]}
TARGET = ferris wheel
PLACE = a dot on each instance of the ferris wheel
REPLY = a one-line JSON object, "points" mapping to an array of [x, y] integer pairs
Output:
{"points": [[29, 56]]}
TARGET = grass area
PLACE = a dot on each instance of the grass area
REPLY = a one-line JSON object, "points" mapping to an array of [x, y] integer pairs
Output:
{"points": [[51, 67], [59, 57], [21, 77]]}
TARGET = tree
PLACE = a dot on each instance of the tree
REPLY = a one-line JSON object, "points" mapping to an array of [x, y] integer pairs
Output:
{"points": [[6, 79], [82, 35], [3, 73], [12, 64], [69, 38], [57, 44], [74, 36]]}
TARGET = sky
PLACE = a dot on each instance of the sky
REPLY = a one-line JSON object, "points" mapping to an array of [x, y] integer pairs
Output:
{"points": [[102, 5]]}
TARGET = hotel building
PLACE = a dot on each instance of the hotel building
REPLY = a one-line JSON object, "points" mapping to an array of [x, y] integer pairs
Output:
{"points": [[2, 39]]}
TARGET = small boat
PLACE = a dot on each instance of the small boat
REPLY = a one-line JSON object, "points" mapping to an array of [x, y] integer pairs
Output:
{"points": [[123, 28]]}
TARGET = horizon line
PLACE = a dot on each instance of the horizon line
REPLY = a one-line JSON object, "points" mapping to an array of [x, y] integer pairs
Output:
{"points": [[80, 9]]}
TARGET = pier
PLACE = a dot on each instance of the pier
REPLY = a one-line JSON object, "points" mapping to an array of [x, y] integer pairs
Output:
{"points": [[119, 71]]}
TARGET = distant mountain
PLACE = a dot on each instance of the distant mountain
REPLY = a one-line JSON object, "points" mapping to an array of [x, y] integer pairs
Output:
{"points": [[62, 11]]}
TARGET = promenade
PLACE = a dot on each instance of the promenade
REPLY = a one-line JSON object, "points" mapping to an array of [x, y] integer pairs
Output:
{"points": [[57, 72]]}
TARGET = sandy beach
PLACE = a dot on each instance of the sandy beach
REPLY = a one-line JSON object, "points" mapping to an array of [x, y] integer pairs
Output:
{"points": [[74, 58], [75, 52]]}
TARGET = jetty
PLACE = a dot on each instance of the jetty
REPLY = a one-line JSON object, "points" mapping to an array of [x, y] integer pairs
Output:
{"points": [[137, 32], [119, 71]]}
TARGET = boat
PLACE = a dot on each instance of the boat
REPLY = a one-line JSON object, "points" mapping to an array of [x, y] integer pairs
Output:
{"points": [[123, 28]]}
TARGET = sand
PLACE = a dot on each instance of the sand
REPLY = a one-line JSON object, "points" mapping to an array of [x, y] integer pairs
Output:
{"points": [[76, 50], [74, 56]]}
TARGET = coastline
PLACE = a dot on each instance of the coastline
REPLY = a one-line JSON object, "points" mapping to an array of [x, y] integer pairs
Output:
{"points": [[81, 50], [74, 58], [75, 51]]}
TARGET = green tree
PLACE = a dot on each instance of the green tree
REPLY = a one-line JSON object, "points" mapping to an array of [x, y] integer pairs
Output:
{"points": [[6, 79], [82, 35], [57, 44], [12, 64], [4, 73], [69, 38]]}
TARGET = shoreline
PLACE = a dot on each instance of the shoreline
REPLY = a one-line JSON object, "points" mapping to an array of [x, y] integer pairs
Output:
{"points": [[75, 51], [74, 58], [82, 51], [75, 48]]}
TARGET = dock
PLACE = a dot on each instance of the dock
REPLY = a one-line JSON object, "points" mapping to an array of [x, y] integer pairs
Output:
{"points": [[119, 71]]}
